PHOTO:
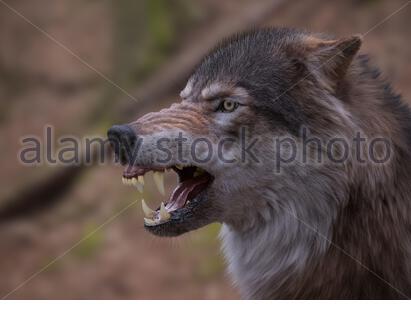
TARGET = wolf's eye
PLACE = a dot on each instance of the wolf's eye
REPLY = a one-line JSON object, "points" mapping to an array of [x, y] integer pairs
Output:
{"points": [[227, 106]]}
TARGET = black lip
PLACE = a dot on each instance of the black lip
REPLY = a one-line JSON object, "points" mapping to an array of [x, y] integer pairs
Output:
{"points": [[184, 219]]}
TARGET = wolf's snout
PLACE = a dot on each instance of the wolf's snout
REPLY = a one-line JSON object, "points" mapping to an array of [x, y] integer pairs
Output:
{"points": [[123, 140]]}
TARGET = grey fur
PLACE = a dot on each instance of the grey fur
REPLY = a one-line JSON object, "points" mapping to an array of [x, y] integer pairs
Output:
{"points": [[313, 230]]}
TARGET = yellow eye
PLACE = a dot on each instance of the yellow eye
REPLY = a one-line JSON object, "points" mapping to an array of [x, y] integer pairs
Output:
{"points": [[228, 106]]}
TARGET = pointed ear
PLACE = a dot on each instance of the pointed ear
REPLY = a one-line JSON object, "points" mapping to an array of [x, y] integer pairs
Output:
{"points": [[332, 57]]}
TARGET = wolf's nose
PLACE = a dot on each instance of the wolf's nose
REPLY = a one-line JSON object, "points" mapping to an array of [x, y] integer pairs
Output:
{"points": [[123, 140]]}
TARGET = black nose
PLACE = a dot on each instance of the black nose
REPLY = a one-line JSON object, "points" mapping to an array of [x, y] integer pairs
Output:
{"points": [[123, 140]]}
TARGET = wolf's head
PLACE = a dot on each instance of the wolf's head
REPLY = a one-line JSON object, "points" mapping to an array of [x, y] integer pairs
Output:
{"points": [[219, 139]]}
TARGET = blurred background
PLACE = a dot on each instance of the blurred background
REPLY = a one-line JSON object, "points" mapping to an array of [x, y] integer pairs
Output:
{"points": [[83, 65]]}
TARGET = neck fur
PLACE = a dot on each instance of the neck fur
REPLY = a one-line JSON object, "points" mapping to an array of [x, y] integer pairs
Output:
{"points": [[284, 235]]}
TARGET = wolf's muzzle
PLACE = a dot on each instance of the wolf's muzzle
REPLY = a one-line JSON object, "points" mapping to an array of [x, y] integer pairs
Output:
{"points": [[123, 141]]}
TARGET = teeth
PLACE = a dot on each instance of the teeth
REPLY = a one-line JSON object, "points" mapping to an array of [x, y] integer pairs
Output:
{"points": [[136, 183], [159, 181], [126, 181], [179, 166], [149, 216], [164, 215], [149, 222], [148, 213], [141, 180]]}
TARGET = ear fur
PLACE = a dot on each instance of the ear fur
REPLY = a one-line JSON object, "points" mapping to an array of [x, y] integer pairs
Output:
{"points": [[332, 57]]}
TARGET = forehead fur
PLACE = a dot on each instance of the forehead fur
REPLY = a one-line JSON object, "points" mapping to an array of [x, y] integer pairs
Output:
{"points": [[252, 56]]}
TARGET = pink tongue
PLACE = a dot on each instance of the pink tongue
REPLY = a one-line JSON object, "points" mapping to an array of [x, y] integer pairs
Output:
{"points": [[186, 190]]}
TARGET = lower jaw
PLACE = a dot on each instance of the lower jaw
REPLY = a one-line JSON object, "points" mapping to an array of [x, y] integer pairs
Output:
{"points": [[183, 220]]}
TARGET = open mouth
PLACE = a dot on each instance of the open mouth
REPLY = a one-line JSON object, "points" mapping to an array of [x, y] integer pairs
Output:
{"points": [[192, 181]]}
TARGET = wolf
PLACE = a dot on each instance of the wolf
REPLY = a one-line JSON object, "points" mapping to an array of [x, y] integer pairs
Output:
{"points": [[313, 229]]}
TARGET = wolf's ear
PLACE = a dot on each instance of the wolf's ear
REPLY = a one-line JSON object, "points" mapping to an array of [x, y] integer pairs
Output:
{"points": [[332, 57]]}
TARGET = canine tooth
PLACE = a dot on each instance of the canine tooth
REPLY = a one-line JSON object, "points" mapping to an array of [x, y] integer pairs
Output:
{"points": [[159, 181], [134, 181], [146, 209], [179, 166], [123, 180], [164, 215]]}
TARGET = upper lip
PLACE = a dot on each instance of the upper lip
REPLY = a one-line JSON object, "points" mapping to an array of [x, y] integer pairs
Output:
{"points": [[135, 171]]}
